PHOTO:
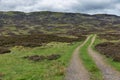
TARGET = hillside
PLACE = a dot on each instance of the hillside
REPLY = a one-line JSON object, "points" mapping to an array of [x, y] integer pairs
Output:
{"points": [[16, 23], [54, 46]]}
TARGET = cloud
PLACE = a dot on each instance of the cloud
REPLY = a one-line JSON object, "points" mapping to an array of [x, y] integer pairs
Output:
{"points": [[82, 6]]}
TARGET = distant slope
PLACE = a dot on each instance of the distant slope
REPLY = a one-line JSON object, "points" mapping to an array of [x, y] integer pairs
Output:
{"points": [[16, 23]]}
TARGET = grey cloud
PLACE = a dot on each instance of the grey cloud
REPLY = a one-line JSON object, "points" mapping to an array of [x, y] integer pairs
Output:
{"points": [[82, 6], [97, 5]]}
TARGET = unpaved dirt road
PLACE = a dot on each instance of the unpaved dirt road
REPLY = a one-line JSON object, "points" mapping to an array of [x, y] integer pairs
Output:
{"points": [[76, 70], [108, 72]]}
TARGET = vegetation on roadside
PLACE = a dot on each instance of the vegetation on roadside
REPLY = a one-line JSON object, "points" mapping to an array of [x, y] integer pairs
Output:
{"points": [[109, 58], [110, 50], [88, 62], [15, 67], [34, 40]]}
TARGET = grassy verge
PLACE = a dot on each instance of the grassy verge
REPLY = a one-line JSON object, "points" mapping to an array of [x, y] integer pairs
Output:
{"points": [[110, 61], [15, 67], [89, 63]]}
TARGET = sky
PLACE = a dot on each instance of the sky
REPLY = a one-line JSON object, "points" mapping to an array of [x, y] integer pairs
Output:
{"points": [[73, 6]]}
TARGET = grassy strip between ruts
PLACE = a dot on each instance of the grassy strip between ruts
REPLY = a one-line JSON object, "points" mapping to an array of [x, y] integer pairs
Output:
{"points": [[110, 61], [95, 73], [14, 67]]}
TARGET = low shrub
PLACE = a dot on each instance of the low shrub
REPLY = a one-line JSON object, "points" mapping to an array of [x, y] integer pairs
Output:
{"points": [[110, 36], [41, 58], [34, 40], [4, 50], [53, 57], [110, 49]]}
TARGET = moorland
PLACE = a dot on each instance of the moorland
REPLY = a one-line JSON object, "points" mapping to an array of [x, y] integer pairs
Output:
{"points": [[45, 45]]}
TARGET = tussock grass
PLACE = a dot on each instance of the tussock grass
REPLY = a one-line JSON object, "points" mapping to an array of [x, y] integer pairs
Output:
{"points": [[15, 67]]}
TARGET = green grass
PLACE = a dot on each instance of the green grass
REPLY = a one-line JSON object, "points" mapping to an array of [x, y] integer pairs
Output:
{"points": [[116, 65], [89, 63], [14, 67], [110, 61]]}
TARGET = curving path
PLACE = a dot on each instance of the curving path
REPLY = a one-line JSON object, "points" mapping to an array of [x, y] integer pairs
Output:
{"points": [[76, 70]]}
